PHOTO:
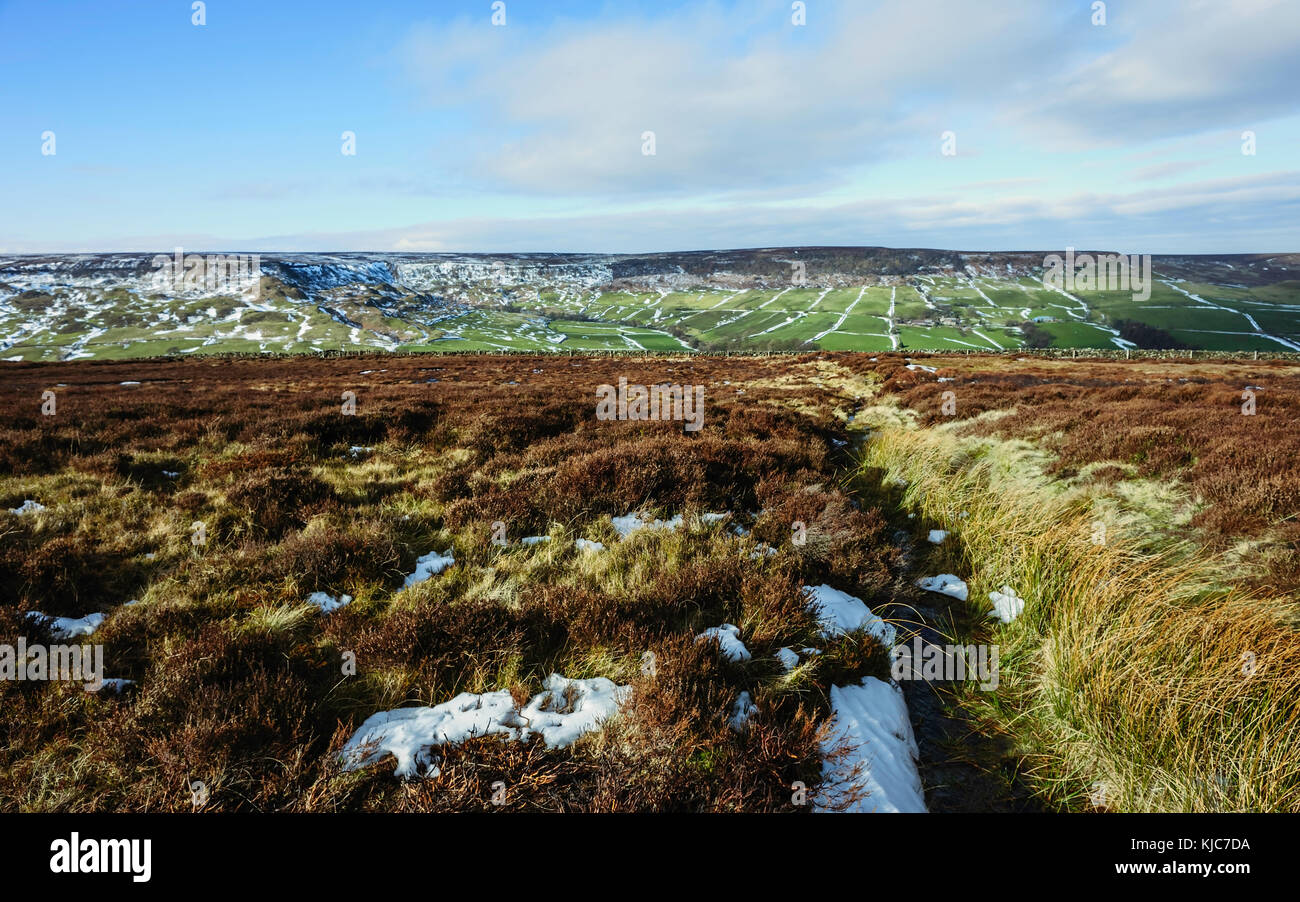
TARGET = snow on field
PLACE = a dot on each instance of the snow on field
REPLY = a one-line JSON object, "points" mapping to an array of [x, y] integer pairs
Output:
{"points": [[115, 684], [561, 713], [742, 711], [431, 564], [728, 638], [68, 627], [843, 316], [789, 658], [922, 367], [945, 584], [937, 536], [871, 718], [28, 507], [635, 522], [588, 545], [798, 315], [1007, 605], [327, 602], [536, 540], [841, 613], [889, 321], [1289, 345]]}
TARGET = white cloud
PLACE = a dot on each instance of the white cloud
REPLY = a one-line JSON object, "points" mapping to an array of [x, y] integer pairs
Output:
{"points": [[732, 108], [1183, 67]]}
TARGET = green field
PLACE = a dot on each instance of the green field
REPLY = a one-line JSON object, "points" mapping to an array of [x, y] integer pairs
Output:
{"points": [[925, 312]]}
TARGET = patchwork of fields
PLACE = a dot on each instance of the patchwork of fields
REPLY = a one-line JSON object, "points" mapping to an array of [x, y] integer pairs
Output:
{"points": [[64, 311]]}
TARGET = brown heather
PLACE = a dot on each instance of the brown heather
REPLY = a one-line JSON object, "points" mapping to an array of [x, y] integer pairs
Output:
{"points": [[239, 683], [238, 680]]}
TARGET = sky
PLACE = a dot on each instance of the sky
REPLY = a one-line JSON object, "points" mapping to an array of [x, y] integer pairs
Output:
{"points": [[1008, 125]]}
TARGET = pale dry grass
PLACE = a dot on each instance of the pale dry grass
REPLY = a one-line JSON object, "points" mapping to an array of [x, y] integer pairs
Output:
{"points": [[1133, 672]]}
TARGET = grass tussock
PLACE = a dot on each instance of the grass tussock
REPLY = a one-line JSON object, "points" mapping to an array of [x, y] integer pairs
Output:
{"points": [[1136, 680]]}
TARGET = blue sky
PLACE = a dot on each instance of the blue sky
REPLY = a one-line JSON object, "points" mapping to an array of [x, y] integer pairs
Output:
{"points": [[528, 136]]}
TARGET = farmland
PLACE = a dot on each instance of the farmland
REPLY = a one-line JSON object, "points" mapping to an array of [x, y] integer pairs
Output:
{"points": [[112, 306]]}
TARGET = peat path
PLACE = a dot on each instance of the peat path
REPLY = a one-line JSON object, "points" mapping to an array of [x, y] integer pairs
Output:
{"points": [[964, 766]]}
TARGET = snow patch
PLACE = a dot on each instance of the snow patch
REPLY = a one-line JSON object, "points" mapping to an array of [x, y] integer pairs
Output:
{"points": [[560, 714], [327, 602], [729, 644], [742, 711], [871, 718], [944, 584], [842, 613], [1007, 605], [634, 522], [115, 684], [431, 564], [68, 627]]}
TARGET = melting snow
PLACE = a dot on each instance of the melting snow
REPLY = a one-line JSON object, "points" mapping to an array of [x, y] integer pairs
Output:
{"points": [[842, 613], [945, 584], [729, 643], [872, 718], [560, 714], [69, 627], [938, 535], [1007, 605], [28, 507], [588, 545], [115, 684], [431, 564], [788, 658], [634, 522], [534, 540], [327, 602], [742, 711]]}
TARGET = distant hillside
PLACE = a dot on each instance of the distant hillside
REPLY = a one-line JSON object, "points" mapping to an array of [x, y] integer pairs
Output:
{"points": [[72, 306]]}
